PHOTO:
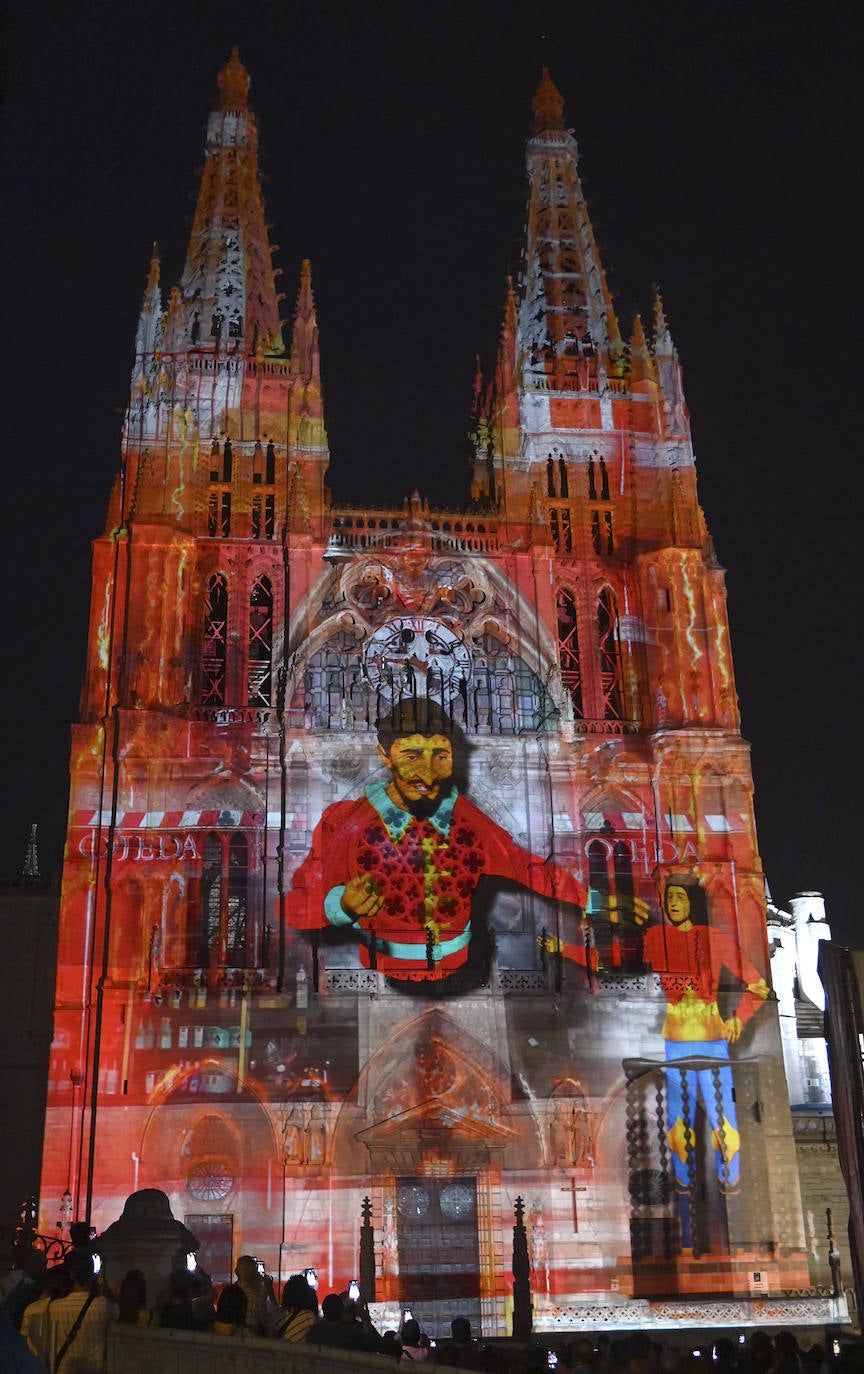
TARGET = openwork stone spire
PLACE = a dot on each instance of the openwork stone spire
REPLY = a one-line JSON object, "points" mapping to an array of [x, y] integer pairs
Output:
{"points": [[548, 105], [233, 84], [567, 325], [228, 285]]}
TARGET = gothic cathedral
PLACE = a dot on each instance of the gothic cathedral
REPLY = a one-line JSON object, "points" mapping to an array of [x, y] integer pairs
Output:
{"points": [[411, 882]]}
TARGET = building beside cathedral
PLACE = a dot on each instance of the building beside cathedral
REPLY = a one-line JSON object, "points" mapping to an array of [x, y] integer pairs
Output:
{"points": [[411, 853]]}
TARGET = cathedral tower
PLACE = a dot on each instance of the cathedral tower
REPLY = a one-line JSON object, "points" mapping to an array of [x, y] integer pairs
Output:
{"points": [[411, 853]]}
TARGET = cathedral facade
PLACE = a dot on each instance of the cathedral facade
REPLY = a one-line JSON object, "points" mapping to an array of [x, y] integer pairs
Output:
{"points": [[411, 877]]}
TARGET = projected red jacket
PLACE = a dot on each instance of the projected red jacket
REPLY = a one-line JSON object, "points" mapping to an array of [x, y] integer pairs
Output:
{"points": [[690, 963], [426, 871]]}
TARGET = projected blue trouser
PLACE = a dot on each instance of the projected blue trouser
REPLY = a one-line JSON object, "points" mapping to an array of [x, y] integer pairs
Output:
{"points": [[684, 1088]]}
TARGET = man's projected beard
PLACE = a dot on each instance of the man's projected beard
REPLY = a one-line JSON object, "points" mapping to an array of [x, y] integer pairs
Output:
{"points": [[424, 807]]}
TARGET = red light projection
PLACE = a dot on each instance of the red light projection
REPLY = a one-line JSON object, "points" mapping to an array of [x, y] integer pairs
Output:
{"points": [[383, 823]]}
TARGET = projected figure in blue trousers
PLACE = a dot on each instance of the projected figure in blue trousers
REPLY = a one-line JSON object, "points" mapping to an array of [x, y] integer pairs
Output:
{"points": [[689, 957]]}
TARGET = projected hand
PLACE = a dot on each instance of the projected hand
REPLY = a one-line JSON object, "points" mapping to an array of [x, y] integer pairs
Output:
{"points": [[550, 943], [627, 908], [362, 897], [732, 1029]]}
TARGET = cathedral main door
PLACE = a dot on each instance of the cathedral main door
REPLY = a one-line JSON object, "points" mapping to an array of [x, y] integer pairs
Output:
{"points": [[439, 1255]]}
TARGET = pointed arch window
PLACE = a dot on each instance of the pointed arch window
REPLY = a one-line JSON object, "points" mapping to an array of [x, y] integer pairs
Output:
{"points": [[561, 528], [604, 479], [610, 881], [224, 901], [609, 644], [214, 651], [264, 504], [568, 648], [563, 482], [260, 675]]}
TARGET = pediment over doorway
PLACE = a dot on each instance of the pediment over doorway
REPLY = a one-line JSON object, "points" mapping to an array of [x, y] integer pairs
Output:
{"points": [[434, 1137], [432, 1104]]}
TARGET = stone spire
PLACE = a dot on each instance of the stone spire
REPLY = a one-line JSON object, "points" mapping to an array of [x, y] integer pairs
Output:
{"points": [[151, 308], [506, 395], [305, 357], [641, 362], [31, 858], [548, 105], [676, 419], [228, 287], [306, 405], [567, 324]]}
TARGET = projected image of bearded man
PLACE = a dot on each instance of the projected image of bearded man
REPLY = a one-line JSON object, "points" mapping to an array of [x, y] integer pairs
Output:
{"points": [[401, 864]]}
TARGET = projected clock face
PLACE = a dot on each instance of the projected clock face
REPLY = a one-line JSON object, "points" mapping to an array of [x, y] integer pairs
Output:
{"points": [[416, 652], [412, 1200], [457, 1200]]}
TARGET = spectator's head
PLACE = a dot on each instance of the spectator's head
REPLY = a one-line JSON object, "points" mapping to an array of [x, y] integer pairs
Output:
{"points": [[298, 1294], [132, 1295], [33, 1262], [181, 1285], [332, 1308], [79, 1266], [391, 1345], [785, 1345], [410, 1332], [231, 1307], [460, 1329], [135, 1285], [246, 1270], [56, 1282]]}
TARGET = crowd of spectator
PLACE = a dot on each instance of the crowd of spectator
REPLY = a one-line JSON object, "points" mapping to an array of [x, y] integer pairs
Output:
{"points": [[57, 1319]]}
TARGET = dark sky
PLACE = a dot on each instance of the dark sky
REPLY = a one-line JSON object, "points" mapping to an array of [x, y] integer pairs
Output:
{"points": [[719, 149]]}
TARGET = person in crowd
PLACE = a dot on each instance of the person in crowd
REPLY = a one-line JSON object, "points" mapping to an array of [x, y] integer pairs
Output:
{"points": [[580, 1356], [298, 1312], [76, 1326], [258, 1288], [787, 1353], [176, 1309], [203, 1300], [757, 1355], [412, 1349], [132, 1300], [357, 1314], [231, 1312], [468, 1350], [29, 1272], [55, 1285], [332, 1330], [391, 1345]]}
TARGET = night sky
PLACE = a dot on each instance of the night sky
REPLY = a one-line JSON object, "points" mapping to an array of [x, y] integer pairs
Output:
{"points": [[718, 150]]}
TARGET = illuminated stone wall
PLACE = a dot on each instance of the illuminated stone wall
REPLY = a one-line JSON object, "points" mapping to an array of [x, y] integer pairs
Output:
{"points": [[448, 969]]}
